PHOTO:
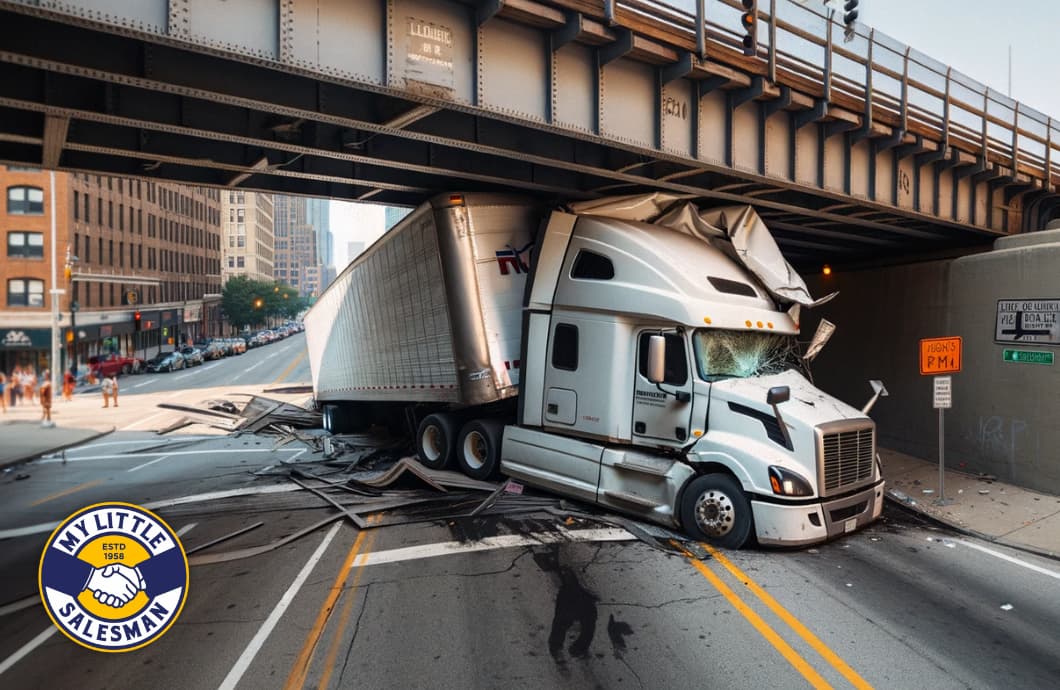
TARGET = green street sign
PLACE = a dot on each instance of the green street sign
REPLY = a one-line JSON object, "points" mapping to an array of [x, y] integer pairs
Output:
{"points": [[1028, 356]]}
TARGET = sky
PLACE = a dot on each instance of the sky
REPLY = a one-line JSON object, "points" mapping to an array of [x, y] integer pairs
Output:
{"points": [[972, 36]]}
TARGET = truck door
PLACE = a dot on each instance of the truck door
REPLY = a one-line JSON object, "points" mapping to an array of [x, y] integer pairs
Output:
{"points": [[658, 414]]}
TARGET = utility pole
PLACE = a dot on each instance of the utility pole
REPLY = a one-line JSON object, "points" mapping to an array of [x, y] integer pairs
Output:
{"points": [[56, 292]]}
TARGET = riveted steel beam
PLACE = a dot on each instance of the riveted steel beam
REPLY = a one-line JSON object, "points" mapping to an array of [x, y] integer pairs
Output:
{"points": [[620, 47], [675, 70]]}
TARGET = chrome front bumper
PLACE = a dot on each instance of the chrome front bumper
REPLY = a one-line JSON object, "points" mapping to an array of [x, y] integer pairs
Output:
{"points": [[797, 525]]}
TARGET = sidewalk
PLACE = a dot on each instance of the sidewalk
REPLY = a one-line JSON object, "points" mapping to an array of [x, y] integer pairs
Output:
{"points": [[980, 505], [21, 441]]}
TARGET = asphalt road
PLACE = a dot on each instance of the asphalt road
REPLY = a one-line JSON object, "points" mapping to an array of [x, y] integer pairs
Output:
{"points": [[511, 602], [278, 362]]}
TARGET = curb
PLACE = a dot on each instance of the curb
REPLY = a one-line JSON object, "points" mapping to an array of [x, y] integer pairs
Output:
{"points": [[57, 449], [971, 532]]}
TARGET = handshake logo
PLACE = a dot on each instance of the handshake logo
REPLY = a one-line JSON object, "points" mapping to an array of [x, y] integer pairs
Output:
{"points": [[113, 577], [115, 585]]}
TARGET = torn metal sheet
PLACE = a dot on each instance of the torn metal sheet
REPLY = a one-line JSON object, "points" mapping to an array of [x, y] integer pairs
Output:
{"points": [[224, 538], [207, 559], [354, 518], [736, 230]]}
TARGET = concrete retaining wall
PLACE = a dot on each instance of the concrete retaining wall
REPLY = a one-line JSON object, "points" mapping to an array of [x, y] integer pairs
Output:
{"points": [[1005, 418]]}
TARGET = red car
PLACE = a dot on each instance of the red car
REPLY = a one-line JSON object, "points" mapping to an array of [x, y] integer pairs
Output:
{"points": [[113, 364]]}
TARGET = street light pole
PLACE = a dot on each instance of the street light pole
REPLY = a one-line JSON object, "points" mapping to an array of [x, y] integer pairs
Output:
{"points": [[55, 292]]}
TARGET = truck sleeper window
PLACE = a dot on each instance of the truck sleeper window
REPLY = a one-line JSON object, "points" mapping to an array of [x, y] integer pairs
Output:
{"points": [[742, 354]]}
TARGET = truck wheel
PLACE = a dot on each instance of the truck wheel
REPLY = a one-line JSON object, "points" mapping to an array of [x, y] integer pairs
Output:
{"points": [[715, 509], [434, 440], [478, 450]]}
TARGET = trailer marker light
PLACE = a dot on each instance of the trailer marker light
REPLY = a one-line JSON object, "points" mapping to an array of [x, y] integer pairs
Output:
{"points": [[697, 432], [747, 323], [769, 323], [706, 320], [759, 324]]}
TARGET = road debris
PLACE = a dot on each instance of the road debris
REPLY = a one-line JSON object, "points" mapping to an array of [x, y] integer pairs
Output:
{"points": [[219, 540]]}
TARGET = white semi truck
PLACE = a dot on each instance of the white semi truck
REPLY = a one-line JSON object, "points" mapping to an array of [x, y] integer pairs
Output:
{"points": [[646, 367]]}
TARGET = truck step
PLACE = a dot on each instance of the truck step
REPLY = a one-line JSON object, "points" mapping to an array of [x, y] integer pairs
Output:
{"points": [[643, 469], [632, 499]]}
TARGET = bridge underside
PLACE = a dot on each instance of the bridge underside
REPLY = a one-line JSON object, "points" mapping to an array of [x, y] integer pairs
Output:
{"points": [[83, 96]]}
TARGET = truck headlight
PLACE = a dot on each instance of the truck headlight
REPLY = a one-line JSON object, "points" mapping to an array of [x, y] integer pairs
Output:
{"points": [[787, 483]]}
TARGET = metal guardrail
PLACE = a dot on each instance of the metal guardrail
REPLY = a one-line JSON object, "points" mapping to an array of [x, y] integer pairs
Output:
{"points": [[886, 80]]}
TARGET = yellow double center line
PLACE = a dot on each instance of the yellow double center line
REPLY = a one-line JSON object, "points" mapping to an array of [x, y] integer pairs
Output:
{"points": [[793, 657], [300, 670]]}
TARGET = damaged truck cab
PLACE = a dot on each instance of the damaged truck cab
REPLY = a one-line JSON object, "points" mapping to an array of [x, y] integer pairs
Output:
{"points": [[661, 380], [636, 353]]}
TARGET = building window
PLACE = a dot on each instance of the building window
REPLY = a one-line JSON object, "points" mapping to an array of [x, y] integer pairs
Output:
{"points": [[25, 200], [240, 262], [121, 214], [241, 241], [99, 211], [88, 210], [87, 258], [110, 214], [25, 292], [121, 255], [77, 205], [25, 245]]}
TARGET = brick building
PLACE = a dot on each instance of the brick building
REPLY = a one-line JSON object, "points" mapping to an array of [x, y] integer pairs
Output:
{"points": [[144, 264]]}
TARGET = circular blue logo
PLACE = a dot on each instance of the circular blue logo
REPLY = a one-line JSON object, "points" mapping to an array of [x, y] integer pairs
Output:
{"points": [[113, 577]]}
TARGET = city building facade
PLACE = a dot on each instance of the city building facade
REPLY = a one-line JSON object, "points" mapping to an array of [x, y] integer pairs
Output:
{"points": [[300, 244], [138, 264], [248, 244]]}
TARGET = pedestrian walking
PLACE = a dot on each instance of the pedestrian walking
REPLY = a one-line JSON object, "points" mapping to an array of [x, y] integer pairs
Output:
{"points": [[29, 384], [110, 389], [69, 381], [3, 391], [45, 396], [16, 386]]}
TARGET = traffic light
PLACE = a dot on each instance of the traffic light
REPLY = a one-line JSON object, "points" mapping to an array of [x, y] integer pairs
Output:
{"points": [[136, 321], [749, 21], [850, 15]]}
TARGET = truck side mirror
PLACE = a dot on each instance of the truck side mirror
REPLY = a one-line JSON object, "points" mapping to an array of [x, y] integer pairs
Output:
{"points": [[777, 395], [656, 359]]}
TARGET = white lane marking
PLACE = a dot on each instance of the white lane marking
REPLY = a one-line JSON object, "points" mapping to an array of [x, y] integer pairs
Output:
{"points": [[146, 464], [272, 355], [504, 541], [145, 383], [253, 366], [28, 647], [255, 644], [16, 606], [144, 421], [167, 503], [186, 528], [207, 451], [1012, 559]]}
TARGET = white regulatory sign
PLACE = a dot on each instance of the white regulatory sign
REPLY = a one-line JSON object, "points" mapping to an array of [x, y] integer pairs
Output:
{"points": [[1028, 321], [943, 392]]}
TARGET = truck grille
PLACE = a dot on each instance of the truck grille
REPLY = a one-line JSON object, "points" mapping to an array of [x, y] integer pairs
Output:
{"points": [[846, 458]]}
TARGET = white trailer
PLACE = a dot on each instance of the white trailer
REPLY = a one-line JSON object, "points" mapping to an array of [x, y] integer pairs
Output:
{"points": [[642, 366]]}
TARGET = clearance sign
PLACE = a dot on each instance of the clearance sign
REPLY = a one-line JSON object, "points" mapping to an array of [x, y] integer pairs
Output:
{"points": [[940, 356]]}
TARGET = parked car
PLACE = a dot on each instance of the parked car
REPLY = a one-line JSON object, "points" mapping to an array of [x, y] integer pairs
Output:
{"points": [[193, 356], [165, 361], [237, 345], [213, 350], [112, 364]]}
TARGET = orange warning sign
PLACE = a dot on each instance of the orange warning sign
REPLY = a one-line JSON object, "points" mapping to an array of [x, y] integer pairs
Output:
{"points": [[940, 356]]}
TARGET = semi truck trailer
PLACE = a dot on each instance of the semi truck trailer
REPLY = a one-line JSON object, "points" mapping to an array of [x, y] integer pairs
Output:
{"points": [[649, 367]]}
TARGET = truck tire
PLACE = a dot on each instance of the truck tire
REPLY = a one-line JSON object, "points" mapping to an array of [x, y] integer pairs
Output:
{"points": [[435, 439], [715, 509], [478, 449]]}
